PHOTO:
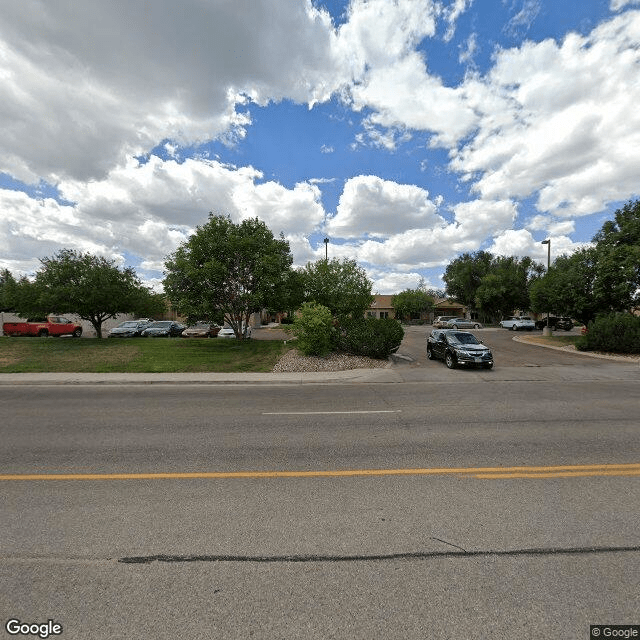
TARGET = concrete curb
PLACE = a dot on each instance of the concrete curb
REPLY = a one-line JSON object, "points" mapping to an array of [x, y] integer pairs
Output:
{"points": [[572, 349]]}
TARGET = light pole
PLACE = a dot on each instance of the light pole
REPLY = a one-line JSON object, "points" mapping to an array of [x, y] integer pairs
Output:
{"points": [[547, 330], [326, 249]]}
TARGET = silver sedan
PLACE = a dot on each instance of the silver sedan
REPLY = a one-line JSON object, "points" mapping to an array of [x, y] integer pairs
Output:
{"points": [[462, 323]]}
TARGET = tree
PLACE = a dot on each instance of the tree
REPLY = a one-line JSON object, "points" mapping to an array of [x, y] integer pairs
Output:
{"points": [[617, 283], [411, 302], [601, 279], [7, 290], [506, 286], [90, 286], [464, 274], [340, 285], [229, 269]]}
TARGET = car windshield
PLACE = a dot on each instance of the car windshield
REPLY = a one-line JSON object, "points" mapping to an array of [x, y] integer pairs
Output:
{"points": [[160, 325], [127, 325], [462, 338]]}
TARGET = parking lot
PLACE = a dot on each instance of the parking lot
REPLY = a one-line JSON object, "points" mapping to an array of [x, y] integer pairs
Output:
{"points": [[506, 351]]}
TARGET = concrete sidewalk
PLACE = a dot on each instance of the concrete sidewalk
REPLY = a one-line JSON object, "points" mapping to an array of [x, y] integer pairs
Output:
{"points": [[622, 371], [352, 375]]}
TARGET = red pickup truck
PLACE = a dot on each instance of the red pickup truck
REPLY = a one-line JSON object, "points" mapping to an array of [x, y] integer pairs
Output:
{"points": [[51, 326]]}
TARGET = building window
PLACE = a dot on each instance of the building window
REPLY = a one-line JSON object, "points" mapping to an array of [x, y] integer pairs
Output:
{"points": [[384, 314]]}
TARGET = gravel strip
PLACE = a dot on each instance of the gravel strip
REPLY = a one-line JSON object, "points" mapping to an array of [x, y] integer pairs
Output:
{"points": [[293, 361]]}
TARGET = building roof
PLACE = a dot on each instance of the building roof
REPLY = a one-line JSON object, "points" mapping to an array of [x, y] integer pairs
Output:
{"points": [[381, 302]]}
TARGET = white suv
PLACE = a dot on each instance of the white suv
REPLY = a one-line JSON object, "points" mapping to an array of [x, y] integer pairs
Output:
{"points": [[518, 322]]}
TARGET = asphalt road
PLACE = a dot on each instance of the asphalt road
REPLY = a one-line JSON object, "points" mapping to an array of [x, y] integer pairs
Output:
{"points": [[507, 351], [446, 540]]}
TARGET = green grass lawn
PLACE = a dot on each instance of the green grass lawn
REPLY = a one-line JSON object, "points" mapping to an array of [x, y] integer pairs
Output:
{"points": [[136, 355], [561, 341]]}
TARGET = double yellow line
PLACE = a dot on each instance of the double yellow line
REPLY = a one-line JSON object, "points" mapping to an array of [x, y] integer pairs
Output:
{"points": [[482, 473]]}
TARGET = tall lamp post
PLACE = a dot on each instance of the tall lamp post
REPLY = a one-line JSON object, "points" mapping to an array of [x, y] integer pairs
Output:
{"points": [[547, 330], [326, 249]]}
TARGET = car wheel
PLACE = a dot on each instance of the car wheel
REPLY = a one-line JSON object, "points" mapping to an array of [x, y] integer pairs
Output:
{"points": [[429, 354], [455, 326], [476, 326], [449, 360], [489, 365], [513, 327], [43, 333], [77, 333]]}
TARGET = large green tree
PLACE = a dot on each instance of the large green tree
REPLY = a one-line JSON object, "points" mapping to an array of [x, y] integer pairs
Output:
{"points": [[340, 285], [229, 269], [568, 287], [617, 284], [7, 290], [411, 302], [464, 275], [506, 286], [601, 279], [93, 287]]}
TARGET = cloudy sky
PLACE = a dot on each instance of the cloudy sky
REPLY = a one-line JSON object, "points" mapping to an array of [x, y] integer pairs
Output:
{"points": [[405, 131]]}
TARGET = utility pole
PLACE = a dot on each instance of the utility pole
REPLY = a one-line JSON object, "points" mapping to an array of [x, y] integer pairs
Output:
{"points": [[547, 330], [326, 249]]}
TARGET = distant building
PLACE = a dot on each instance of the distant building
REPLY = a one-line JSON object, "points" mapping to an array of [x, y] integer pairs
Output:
{"points": [[381, 307]]}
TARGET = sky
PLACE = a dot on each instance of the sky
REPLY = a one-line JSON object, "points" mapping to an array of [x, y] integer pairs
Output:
{"points": [[407, 132]]}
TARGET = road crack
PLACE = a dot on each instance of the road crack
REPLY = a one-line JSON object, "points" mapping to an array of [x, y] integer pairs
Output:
{"points": [[415, 555]]}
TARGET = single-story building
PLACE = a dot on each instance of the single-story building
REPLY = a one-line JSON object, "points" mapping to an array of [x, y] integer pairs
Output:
{"points": [[381, 307]]}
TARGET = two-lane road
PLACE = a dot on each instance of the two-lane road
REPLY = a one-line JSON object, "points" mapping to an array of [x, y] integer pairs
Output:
{"points": [[465, 507]]}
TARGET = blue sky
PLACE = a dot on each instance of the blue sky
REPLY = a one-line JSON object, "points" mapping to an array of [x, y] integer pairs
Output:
{"points": [[408, 131]]}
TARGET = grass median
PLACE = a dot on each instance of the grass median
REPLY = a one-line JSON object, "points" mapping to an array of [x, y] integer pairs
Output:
{"points": [[138, 355]]}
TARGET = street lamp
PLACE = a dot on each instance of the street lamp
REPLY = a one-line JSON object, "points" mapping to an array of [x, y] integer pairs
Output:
{"points": [[326, 249], [547, 330]]}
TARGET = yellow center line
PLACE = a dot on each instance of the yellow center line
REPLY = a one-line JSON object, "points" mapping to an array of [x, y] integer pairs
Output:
{"points": [[484, 473]]}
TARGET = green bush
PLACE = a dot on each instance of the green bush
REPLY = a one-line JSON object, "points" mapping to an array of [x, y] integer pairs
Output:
{"points": [[372, 337], [313, 326], [617, 332]]}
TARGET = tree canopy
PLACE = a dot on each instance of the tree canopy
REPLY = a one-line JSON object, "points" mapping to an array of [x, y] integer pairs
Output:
{"points": [[604, 278], [7, 290], [340, 285], [92, 287], [464, 274], [506, 286], [492, 285], [412, 302], [228, 270]]}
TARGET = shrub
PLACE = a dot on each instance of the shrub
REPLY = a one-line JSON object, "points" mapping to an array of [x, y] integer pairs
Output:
{"points": [[616, 332], [313, 326], [372, 337]]}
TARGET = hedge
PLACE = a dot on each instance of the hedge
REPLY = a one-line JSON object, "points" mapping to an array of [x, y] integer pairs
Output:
{"points": [[617, 333]]}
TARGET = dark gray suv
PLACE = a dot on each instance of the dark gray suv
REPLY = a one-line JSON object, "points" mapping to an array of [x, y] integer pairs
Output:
{"points": [[458, 348]]}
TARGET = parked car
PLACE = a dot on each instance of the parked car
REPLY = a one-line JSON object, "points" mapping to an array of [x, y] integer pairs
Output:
{"points": [[164, 329], [515, 323], [440, 321], [43, 327], [201, 330], [128, 329], [461, 323], [228, 332], [555, 322], [458, 348]]}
